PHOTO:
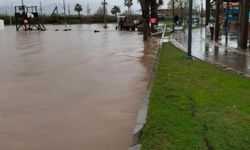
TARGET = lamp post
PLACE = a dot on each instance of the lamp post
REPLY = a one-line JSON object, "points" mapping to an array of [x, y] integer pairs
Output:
{"points": [[10, 14], [190, 21], [41, 11], [104, 15]]}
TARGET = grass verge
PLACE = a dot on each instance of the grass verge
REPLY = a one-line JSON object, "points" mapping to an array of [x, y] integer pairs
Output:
{"points": [[196, 106], [166, 34]]}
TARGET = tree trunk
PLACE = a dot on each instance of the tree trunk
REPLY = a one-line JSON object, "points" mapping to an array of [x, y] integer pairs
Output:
{"points": [[79, 15], [208, 7], [145, 17], [154, 13]]}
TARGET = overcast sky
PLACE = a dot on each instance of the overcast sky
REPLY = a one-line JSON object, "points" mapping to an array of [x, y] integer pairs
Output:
{"points": [[46, 2], [94, 4], [111, 2]]}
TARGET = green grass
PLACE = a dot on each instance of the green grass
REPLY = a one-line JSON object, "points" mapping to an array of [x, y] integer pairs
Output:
{"points": [[169, 23], [199, 26], [166, 34], [196, 106]]}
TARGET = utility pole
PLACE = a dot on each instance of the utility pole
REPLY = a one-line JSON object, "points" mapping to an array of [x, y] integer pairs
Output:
{"points": [[22, 2], [104, 14], [190, 22], [65, 18], [10, 14], [41, 11]]}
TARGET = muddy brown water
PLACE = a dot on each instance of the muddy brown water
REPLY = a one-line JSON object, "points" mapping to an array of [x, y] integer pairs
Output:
{"points": [[76, 90]]}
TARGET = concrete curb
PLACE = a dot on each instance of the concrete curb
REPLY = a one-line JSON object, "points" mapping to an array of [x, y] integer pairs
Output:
{"points": [[141, 119], [136, 147], [181, 47], [142, 113]]}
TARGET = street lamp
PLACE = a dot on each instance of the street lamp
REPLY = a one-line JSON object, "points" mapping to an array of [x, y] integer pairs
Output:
{"points": [[190, 21], [104, 14]]}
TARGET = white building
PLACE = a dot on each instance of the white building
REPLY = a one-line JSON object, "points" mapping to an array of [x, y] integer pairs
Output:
{"points": [[1, 24]]}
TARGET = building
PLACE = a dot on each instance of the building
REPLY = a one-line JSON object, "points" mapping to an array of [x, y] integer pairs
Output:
{"points": [[239, 13]]}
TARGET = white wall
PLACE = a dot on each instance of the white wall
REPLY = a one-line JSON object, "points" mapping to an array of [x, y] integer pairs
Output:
{"points": [[1, 24]]}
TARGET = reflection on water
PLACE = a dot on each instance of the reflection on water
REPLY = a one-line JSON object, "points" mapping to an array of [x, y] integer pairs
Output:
{"points": [[71, 90], [207, 50]]}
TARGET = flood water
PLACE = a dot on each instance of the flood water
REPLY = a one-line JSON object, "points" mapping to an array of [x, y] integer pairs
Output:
{"points": [[75, 90]]}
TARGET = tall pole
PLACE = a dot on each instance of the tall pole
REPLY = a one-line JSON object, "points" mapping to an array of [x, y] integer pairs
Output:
{"points": [[41, 11], [104, 15], [64, 9], [190, 21], [217, 22], [173, 16], [10, 14], [22, 2]]}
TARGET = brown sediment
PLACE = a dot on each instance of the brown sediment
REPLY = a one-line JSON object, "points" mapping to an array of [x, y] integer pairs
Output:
{"points": [[71, 90]]}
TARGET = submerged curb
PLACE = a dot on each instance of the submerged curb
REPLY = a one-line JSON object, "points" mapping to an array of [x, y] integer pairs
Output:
{"points": [[136, 147], [142, 113], [141, 120]]}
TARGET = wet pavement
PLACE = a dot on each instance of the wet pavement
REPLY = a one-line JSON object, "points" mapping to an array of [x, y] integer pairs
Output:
{"points": [[71, 90], [227, 54]]}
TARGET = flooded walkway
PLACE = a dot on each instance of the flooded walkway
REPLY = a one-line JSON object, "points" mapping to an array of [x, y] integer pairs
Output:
{"points": [[76, 90], [228, 55]]}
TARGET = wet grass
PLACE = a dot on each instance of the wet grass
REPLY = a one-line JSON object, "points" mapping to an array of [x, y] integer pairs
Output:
{"points": [[196, 106], [166, 34]]}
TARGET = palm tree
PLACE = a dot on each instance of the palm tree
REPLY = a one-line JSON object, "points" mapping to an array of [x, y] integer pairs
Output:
{"points": [[128, 3], [78, 8], [115, 10]]}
